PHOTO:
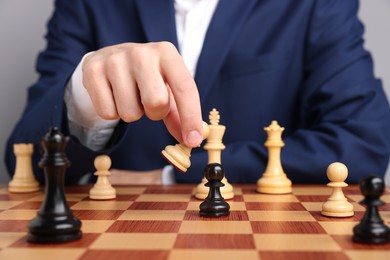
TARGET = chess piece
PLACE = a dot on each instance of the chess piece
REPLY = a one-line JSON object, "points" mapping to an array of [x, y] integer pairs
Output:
{"points": [[102, 190], [214, 205], [337, 205], [179, 154], [23, 180], [214, 146], [54, 222], [274, 180], [371, 229]]}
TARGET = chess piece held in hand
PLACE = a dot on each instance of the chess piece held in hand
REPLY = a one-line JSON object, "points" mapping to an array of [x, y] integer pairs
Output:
{"points": [[274, 180], [54, 222], [337, 205], [179, 155], [214, 205], [214, 146], [102, 190], [23, 180], [371, 229]]}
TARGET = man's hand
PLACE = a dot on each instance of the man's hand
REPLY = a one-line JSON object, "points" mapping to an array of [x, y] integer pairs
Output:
{"points": [[129, 80]]}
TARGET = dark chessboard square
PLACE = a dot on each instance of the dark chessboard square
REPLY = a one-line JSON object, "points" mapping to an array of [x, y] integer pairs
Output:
{"points": [[291, 206], [140, 226], [13, 225], [235, 215], [80, 189], [287, 227], [125, 254], [215, 241], [185, 189], [312, 198], [302, 255], [158, 205], [86, 241], [121, 197], [97, 214]]}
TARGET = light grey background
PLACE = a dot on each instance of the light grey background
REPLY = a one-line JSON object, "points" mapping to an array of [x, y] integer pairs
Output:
{"points": [[22, 30]]}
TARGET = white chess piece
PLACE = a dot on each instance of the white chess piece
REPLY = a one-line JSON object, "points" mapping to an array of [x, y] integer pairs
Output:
{"points": [[337, 205], [214, 146], [23, 180], [274, 180], [179, 155], [102, 190]]}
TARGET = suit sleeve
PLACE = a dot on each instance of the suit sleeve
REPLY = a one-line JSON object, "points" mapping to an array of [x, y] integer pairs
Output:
{"points": [[69, 37], [344, 112]]}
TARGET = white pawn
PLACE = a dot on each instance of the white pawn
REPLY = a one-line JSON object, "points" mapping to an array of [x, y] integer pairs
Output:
{"points": [[23, 180], [337, 205], [102, 190]]}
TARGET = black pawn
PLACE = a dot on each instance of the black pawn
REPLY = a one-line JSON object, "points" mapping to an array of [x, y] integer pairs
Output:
{"points": [[371, 229], [54, 222], [214, 205]]}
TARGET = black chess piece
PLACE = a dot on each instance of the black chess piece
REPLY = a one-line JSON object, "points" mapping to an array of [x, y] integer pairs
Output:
{"points": [[214, 204], [371, 229], [54, 222]]}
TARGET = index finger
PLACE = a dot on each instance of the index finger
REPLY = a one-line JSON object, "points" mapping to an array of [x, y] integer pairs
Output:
{"points": [[186, 95]]}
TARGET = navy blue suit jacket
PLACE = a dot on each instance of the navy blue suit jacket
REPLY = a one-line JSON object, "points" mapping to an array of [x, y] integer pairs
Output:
{"points": [[301, 63]]}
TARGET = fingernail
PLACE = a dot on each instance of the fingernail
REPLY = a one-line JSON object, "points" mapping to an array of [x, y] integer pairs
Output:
{"points": [[194, 138]]}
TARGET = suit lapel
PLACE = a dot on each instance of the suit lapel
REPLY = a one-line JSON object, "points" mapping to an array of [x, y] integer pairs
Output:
{"points": [[224, 26], [158, 20]]}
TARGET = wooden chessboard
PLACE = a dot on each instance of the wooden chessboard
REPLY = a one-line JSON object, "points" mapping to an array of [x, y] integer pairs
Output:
{"points": [[158, 222]]}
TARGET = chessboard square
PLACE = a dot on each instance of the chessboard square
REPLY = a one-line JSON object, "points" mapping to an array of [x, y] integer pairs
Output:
{"points": [[143, 226], [259, 215], [167, 189], [301, 255], [97, 214], [120, 197], [235, 215], [338, 228], [125, 254], [287, 227], [313, 198], [35, 205], [165, 197], [295, 242], [345, 242], [101, 205], [96, 226], [234, 205], [237, 191], [316, 190], [193, 254], [129, 190], [152, 215], [18, 196], [41, 253], [319, 217], [216, 227], [85, 241], [13, 225], [289, 206], [139, 241], [158, 206], [3, 190], [269, 198], [9, 204], [8, 238], [215, 241], [367, 254], [18, 214]]}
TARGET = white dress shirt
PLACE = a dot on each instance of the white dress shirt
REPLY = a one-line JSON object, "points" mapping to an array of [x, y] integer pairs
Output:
{"points": [[192, 20]]}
